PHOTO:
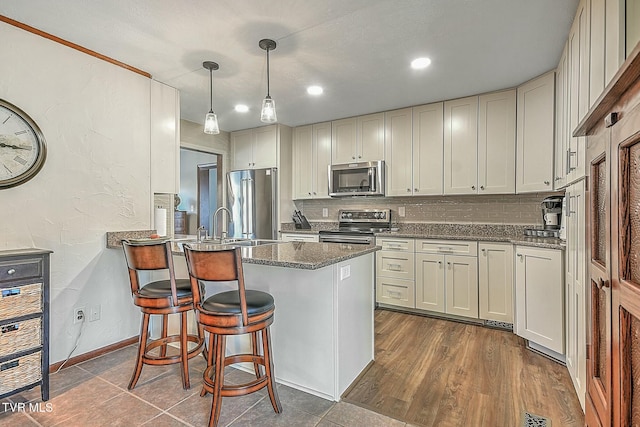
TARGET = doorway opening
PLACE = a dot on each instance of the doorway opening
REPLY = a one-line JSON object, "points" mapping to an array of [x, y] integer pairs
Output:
{"points": [[201, 190]]}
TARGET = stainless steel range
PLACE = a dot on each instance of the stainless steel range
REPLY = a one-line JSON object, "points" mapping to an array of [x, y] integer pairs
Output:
{"points": [[358, 226]]}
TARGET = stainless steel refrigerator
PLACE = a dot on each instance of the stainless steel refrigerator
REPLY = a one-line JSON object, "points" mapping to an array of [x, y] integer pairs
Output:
{"points": [[252, 196]]}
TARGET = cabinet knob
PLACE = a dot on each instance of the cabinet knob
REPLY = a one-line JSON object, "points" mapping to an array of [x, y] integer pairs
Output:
{"points": [[473, 187], [408, 190], [484, 251], [603, 283], [314, 193], [309, 193], [547, 183], [11, 271], [416, 190], [353, 157], [482, 187], [359, 157]]}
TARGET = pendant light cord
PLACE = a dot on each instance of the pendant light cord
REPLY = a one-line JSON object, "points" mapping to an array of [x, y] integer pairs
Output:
{"points": [[210, 90], [268, 72]]}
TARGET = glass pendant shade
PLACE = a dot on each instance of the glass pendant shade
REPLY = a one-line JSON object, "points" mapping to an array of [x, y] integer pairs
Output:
{"points": [[211, 123], [268, 114]]}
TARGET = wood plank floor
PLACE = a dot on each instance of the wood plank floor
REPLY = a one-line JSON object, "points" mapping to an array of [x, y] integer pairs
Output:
{"points": [[433, 372]]}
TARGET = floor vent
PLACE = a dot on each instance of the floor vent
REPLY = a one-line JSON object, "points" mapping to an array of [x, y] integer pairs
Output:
{"points": [[531, 420], [499, 325]]}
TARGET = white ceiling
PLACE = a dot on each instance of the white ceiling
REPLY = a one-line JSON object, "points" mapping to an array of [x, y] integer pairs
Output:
{"points": [[358, 50]]}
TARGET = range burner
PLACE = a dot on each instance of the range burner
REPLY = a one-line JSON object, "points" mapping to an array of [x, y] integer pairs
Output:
{"points": [[358, 226]]}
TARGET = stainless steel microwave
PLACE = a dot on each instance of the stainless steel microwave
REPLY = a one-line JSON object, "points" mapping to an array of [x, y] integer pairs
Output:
{"points": [[357, 179]]}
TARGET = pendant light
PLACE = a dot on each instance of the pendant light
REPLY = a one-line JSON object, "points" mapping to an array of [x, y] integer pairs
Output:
{"points": [[268, 113], [211, 119]]}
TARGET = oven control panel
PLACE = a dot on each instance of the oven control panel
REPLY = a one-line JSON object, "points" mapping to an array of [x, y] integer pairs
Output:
{"points": [[365, 215]]}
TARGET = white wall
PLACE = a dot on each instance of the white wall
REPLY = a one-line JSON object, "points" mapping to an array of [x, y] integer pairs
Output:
{"points": [[95, 118]]}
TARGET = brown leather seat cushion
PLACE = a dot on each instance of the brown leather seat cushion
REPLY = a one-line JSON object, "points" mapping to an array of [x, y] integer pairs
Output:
{"points": [[162, 289], [229, 302]]}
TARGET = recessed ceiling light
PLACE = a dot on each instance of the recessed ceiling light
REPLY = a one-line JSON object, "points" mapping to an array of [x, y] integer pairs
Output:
{"points": [[241, 108], [314, 90], [420, 63]]}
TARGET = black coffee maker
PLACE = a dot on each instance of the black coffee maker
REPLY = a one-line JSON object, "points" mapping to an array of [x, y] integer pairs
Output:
{"points": [[552, 212]]}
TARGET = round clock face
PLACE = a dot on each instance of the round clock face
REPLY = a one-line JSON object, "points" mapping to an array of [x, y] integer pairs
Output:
{"points": [[22, 146]]}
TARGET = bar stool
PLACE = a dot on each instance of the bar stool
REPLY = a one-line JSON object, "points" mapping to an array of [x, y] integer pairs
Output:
{"points": [[231, 313], [162, 297]]}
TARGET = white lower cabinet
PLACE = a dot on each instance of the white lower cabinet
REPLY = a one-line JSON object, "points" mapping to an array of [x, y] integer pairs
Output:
{"points": [[395, 272], [540, 297], [495, 281], [446, 281], [299, 237]]}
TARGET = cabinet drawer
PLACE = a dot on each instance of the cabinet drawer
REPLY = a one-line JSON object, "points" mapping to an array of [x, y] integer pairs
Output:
{"points": [[18, 270], [391, 244], [395, 264], [295, 237], [20, 372], [20, 301], [20, 336], [446, 247], [395, 292]]}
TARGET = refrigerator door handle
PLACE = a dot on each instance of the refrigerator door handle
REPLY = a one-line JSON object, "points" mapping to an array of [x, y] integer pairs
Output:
{"points": [[247, 207]]}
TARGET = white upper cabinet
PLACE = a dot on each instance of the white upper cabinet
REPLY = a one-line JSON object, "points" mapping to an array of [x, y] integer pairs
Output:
{"points": [[562, 123], [578, 87], [460, 146], [255, 148], [165, 138], [358, 139], [398, 152], [311, 159], [597, 50], [497, 143], [302, 162], [413, 150], [428, 148], [534, 129]]}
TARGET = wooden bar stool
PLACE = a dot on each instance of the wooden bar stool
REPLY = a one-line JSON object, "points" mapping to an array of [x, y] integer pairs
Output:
{"points": [[231, 313], [162, 297]]}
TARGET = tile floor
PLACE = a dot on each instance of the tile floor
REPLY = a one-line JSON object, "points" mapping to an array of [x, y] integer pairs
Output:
{"points": [[94, 393]]}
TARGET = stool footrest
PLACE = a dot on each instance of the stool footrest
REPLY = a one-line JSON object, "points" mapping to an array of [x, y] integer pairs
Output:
{"points": [[169, 360], [232, 389]]}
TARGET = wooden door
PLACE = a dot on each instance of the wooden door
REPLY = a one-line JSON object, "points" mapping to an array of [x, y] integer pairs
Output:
{"points": [[625, 262], [599, 381]]}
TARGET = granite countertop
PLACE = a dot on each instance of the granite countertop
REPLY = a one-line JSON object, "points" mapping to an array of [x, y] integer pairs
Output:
{"points": [[506, 233], [301, 255]]}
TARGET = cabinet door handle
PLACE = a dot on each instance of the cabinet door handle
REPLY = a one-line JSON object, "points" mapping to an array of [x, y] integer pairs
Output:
{"points": [[309, 192], [520, 256], [10, 292], [395, 267], [449, 265], [416, 190], [484, 251], [444, 249], [571, 154], [10, 328], [359, 157], [408, 190], [439, 262], [482, 187], [11, 271], [602, 283], [314, 193], [547, 183], [473, 187], [353, 157]]}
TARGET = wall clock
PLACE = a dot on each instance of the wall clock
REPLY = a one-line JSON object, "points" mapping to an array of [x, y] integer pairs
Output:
{"points": [[22, 146]]}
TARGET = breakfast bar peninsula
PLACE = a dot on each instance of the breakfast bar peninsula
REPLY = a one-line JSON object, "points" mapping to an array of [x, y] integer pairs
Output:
{"points": [[322, 335]]}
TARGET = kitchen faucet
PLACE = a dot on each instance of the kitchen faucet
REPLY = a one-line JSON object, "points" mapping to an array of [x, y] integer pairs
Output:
{"points": [[215, 221]]}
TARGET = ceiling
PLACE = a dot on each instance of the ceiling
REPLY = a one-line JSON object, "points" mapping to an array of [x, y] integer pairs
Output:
{"points": [[358, 50]]}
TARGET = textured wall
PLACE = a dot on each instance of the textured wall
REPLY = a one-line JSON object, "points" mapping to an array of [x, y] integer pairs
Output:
{"points": [[95, 118], [504, 209]]}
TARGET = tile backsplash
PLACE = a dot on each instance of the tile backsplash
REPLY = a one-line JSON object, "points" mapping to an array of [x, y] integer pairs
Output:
{"points": [[490, 209]]}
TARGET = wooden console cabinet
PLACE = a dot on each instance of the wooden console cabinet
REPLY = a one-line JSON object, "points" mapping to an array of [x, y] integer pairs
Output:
{"points": [[24, 321]]}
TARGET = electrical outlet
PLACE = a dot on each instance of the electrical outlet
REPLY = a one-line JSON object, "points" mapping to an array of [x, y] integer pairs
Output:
{"points": [[79, 314], [401, 211], [325, 212], [94, 313]]}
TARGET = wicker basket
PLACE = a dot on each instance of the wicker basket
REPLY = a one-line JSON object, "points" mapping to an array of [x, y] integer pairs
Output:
{"points": [[20, 301], [20, 372], [20, 336]]}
